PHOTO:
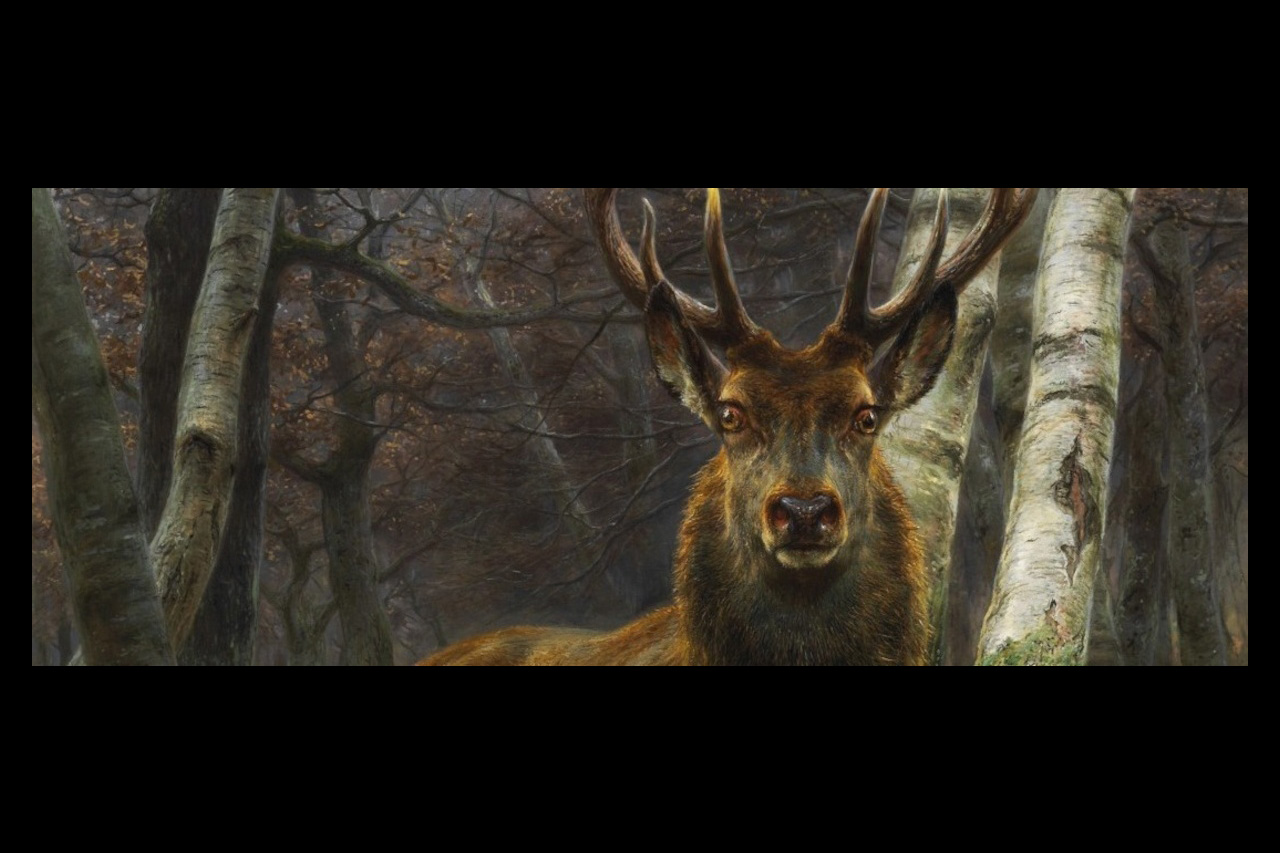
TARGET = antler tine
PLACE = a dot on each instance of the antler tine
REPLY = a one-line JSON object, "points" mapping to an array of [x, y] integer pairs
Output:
{"points": [[885, 321], [853, 309], [1006, 209], [649, 248], [635, 279], [731, 315], [623, 265]]}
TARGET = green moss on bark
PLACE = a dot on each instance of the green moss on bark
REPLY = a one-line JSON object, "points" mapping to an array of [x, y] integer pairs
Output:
{"points": [[1043, 647]]}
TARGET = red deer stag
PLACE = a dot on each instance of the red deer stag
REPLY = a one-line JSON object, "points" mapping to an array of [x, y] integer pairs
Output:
{"points": [[797, 546]]}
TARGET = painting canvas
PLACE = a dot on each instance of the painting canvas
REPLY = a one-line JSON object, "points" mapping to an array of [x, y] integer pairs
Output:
{"points": [[763, 426]]}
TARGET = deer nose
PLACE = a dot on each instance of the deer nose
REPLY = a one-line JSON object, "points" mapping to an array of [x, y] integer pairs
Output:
{"points": [[801, 516]]}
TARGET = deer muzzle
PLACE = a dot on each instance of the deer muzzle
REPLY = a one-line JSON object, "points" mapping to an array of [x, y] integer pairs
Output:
{"points": [[804, 532]]}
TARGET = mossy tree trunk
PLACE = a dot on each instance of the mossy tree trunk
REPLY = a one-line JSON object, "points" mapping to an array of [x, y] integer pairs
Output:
{"points": [[92, 502]]}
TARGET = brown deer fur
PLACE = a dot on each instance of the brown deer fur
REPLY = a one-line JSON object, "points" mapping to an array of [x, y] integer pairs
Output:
{"points": [[797, 545]]}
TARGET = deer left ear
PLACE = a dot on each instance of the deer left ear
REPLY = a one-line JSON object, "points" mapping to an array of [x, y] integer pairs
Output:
{"points": [[911, 366], [686, 367]]}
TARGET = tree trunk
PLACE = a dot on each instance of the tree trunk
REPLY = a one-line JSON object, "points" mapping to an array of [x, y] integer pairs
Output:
{"points": [[353, 566], [1188, 543], [227, 622], [94, 509], [1233, 530], [343, 479], [1044, 585], [344, 488], [976, 545], [1102, 646], [1143, 495], [305, 625], [66, 647], [1011, 337], [179, 230], [186, 544], [542, 449], [928, 443]]}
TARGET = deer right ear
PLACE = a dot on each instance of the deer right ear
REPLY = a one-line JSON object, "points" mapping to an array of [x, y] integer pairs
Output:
{"points": [[911, 366], [684, 364]]}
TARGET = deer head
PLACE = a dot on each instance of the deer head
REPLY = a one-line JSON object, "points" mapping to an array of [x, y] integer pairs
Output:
{"points": [[798, 545]]}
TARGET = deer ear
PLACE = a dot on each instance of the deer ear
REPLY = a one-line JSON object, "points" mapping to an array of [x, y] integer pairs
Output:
{"points": [[684, 364], [908, 370]]}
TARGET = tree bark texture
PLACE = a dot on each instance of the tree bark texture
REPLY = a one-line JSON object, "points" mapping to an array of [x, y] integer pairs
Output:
{"points": [[344, 488], [353, 566], [927, 445], [1142, 495], [1188, 542], [186, 544], [343, 478], [179, 229], [1102, 646], [227, 622], [1011, 337], [975, 548], [93, 505], [1044, 585]]}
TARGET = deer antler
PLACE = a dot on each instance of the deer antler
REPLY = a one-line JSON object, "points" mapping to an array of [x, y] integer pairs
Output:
{"points": [[728, 324], [731, 316], [725, 325], [1006, 209]]}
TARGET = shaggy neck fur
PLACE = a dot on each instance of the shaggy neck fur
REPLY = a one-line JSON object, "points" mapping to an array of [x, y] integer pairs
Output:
{"points": [[869, 608]]}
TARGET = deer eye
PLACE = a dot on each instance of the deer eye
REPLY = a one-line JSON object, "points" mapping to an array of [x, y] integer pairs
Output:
{"points": [[732, 418], [866, 420]]}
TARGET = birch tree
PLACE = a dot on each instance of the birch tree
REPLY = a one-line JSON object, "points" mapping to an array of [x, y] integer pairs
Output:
{"points": [[94, 509], [931, 439], [1044, 585], [1011, 337]]}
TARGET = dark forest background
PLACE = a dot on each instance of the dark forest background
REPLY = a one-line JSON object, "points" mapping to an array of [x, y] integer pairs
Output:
{"points": [[463, 420]]}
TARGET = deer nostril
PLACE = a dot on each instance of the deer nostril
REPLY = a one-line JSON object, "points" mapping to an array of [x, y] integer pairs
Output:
{"points": [[805, 516]]}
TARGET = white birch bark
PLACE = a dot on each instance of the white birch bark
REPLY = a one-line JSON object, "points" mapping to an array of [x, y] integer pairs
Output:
{"points": [[1011, 337], [1043, 594], [927, 445], [185, 546]]}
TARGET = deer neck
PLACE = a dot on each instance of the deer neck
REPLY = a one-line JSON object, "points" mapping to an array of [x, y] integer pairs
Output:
{"points": [[862, 614]]}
